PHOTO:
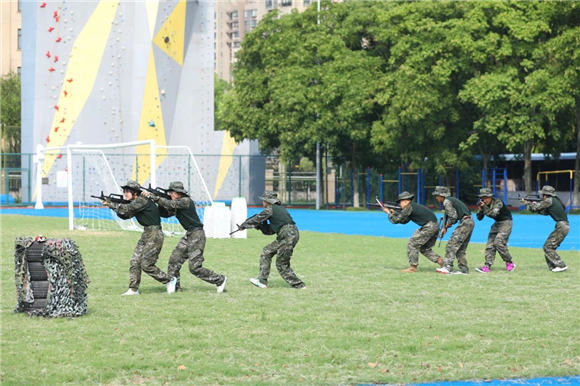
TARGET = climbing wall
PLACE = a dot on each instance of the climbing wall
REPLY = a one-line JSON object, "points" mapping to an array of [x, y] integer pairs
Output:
{"points": [[104, 72]]}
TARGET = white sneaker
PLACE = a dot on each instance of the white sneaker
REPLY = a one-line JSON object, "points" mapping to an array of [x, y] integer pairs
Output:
{"points": [[558, 269], [459, 273], [443, 271], [222, 287], [171, 285], [130, 292], [257, 283]]}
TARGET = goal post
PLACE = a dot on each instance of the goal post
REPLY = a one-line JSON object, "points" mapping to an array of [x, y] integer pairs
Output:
{"points": [[89, 169]]}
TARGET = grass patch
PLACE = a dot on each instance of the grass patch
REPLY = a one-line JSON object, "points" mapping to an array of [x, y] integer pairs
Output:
{"points": [[359, 321]]}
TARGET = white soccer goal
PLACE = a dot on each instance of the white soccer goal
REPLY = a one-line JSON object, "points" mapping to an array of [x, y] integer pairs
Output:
{"points": [[92, 169]]}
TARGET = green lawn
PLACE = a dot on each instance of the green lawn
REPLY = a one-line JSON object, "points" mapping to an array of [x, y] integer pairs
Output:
{"points": [[359, 321]]}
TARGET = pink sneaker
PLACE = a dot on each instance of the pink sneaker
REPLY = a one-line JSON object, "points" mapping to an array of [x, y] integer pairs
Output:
{"points": [[510, 266], [484, 269]]}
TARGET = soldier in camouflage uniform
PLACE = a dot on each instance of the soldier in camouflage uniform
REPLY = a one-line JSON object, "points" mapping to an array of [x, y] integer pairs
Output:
{"points": [[192, 245], [551, 205], [500, 230], [455, 211], [148, 247], [424, 238], [287, 237]]}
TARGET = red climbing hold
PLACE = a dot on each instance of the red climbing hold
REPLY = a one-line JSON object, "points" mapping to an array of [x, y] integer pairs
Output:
{"points": [[69, 80], [65, 93], [51, 69], [56, 107], [58, 40], [42, 5], [62, 120], [48, 54], [56, 129], [56, 59], [48, 138], [50, 29]]}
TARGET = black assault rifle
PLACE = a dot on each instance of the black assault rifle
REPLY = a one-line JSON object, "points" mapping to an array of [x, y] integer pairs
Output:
{"points": [[263, 227], [159, 192], [388, 205], [441, 222], [116, 198], [529, 197]]}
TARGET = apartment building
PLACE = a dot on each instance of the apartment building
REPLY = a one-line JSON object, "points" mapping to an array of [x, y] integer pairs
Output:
{"points": [[11, 35], [234, 18]]}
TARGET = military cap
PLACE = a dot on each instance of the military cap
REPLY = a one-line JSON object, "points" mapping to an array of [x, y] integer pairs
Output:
{"points": [[269, 197], [548, 191], [177, 186], [485, 192], [132, 185], [405, 196], [442, 191]]}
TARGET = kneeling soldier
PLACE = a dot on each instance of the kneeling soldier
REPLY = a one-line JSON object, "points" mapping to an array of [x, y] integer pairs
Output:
{"points": [[192, 245], [149, 246], [455, 211], [553, 206], [424, 238], [287, 237], [500, 230]]}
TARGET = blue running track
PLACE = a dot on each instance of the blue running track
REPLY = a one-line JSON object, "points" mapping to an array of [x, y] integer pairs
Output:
{"points": [[530, 231]]}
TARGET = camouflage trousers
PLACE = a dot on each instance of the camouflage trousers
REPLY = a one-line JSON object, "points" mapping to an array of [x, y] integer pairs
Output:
{"points": [[287, 238], [457, 245], [554, 240], [423, 240], [145, 256], [190, 247], [497, 239]]}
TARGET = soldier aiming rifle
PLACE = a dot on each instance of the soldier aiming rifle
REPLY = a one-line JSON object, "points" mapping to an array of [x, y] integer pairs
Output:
{"points": [[287, 237], [149, 246], [551, 205], [191, 246], [424, 238]]}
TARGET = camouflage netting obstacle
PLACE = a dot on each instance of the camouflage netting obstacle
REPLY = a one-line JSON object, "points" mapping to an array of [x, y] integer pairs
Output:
{"points": [[50, 276]]}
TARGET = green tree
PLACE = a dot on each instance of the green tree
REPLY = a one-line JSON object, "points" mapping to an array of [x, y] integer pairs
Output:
{"points": [[297, 83], [221, 88], [10, 112], [504, 89]]}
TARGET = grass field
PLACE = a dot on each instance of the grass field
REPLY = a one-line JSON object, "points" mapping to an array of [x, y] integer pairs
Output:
{"points": [[359, 321]]}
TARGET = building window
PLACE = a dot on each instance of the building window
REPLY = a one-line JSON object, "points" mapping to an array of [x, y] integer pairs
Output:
{"points": [[306, 2], [236, 34], [254, 12], [235, 25], [254, 23], [286, 3], [235, 15], [19, 71], [19, 38], [268, 3], [236, 44], [245, 13], [19, 6]]}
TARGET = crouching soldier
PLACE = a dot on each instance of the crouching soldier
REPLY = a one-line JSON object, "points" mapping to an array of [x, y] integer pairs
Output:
{"points": [[424, 238], [191, 246], [149, 246], [500, 231], [455, 212], [287, 237], [552, 205]]}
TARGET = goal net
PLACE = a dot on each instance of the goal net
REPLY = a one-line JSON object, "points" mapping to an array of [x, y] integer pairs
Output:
{"points": [[88, 170]]}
